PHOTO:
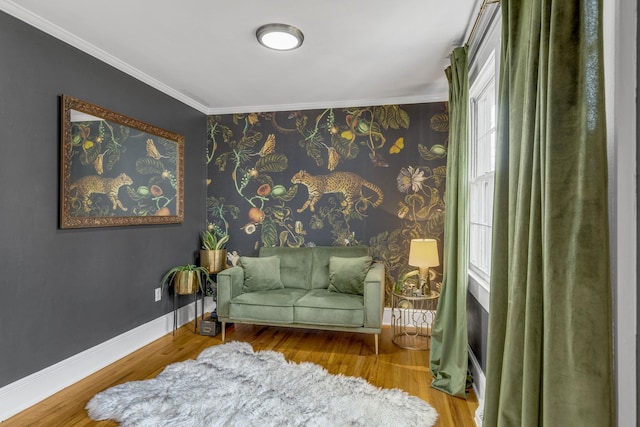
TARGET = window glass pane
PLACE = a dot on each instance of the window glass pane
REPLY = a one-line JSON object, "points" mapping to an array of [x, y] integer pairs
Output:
{"points": [[482, 165]]}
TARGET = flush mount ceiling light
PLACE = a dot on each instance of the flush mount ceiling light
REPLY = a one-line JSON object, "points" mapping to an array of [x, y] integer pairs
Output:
{"points": [[279, 36]]}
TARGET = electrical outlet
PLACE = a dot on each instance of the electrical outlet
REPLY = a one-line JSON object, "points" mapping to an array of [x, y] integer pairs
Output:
{"points": [[158, 294]]}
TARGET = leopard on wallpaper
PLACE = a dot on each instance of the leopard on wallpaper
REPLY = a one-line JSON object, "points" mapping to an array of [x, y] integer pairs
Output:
{"points": [[338, 176]]}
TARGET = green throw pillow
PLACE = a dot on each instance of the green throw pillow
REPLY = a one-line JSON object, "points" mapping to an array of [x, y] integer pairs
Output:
{"points": [[346, 275], [261, 274]]}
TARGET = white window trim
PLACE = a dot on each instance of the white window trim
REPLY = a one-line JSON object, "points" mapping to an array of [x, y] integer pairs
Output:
{"points": [[479, 288], [480, 173], [487, 48]]}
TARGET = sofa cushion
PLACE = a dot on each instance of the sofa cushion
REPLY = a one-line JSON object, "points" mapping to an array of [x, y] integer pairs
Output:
{"points": [[321, 255], [261, 274], [295, 265], [322, 307], [346, 275], [275, 306], [323, 298]]}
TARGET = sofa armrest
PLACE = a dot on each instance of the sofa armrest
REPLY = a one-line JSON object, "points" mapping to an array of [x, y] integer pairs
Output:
{"points": [[230, 283], [374, 296]]}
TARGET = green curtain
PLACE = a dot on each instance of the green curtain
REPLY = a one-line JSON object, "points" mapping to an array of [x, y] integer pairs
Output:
{"points": [[550, 359], [448, 354]]}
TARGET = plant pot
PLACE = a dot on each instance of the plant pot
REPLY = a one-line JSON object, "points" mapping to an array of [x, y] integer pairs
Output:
{"points": [[186, 282], [214, 260]]}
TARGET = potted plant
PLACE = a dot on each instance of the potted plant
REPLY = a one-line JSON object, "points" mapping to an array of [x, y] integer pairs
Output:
{"points": [[213, 255], [186, 279]]}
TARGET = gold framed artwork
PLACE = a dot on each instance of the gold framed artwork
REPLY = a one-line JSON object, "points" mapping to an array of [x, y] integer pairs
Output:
{"points": [[116, 170]]}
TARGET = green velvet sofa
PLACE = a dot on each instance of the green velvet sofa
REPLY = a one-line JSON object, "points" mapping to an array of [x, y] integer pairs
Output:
{"points": [[322, 287]]}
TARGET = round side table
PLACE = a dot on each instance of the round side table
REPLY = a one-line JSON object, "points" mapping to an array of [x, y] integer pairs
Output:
{"points": [[411, 319]]}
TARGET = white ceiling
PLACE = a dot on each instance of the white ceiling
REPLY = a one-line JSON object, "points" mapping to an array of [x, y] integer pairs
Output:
{"points": [[204, 52]]}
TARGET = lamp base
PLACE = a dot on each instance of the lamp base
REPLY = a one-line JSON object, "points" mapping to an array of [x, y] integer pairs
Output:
{"points": [[425, 282]]}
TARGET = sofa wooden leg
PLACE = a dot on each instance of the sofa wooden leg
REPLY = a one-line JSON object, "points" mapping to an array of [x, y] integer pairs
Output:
{"points": [[223, 330], [376, 338]]}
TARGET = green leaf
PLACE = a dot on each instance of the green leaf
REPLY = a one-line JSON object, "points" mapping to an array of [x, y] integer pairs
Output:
{"points": [[155, 180], [274, 162], [435, 223], [269, 233], [436, 152], [149, 166], [169, 149], [297, 242], [264, 179], [221, 161], [234, 211], [214, 203], [440, 122], [439, 175], [124, 133], [380, 115], [289, 195], [404, 120], [392, 116], [284, 235], [345, 148], [313, 151], [227, 134], [424, 152], [111, 158], [133, 194], [222, 241], [249, 141], [301, 123]]}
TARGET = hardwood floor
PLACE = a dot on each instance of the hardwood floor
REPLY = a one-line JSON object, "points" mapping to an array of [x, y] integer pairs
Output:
{"points": [[339, 352]]}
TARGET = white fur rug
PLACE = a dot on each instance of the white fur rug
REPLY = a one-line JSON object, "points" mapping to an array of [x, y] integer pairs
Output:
{"points": [[231, 385]]}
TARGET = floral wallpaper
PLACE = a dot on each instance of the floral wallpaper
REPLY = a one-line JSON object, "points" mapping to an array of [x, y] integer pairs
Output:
{"points": [[370, 176]]}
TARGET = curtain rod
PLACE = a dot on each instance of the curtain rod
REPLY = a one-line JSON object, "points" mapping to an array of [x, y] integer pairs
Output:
{"points": [[485, 3]]}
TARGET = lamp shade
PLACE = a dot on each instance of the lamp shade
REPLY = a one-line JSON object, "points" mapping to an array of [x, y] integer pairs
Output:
{"points": [[424, 253]]}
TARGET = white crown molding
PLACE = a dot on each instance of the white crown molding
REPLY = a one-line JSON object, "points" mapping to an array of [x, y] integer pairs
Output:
{"points": [[48, 27], [30, 390], [438, 94]]}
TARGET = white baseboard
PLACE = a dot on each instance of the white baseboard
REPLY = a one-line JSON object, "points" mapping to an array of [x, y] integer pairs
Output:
{"points": [[479, 381], [479, 415], [30, 390], [386, 316]]}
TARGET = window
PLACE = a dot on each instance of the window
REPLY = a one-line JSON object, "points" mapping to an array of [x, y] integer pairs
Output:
{"points": [[482, 143]]}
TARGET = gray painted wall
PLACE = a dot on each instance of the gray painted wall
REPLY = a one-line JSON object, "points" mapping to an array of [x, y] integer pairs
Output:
{"points": [[64, 291], [477, 330]]}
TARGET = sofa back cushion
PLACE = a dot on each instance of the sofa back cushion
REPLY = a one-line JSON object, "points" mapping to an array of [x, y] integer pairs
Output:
{"points": [[261, 274], [321, 257], [295, 265], [346, 274]]}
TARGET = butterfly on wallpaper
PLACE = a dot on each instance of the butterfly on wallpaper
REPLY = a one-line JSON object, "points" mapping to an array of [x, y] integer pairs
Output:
{"points": [[377, 160], [397, 146]]}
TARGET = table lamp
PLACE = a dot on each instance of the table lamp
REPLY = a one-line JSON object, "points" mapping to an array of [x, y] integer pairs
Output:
{"points": [[423, 254]]}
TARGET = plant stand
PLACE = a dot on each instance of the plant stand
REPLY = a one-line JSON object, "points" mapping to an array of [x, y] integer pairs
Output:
{"points": [[195, 305]]}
